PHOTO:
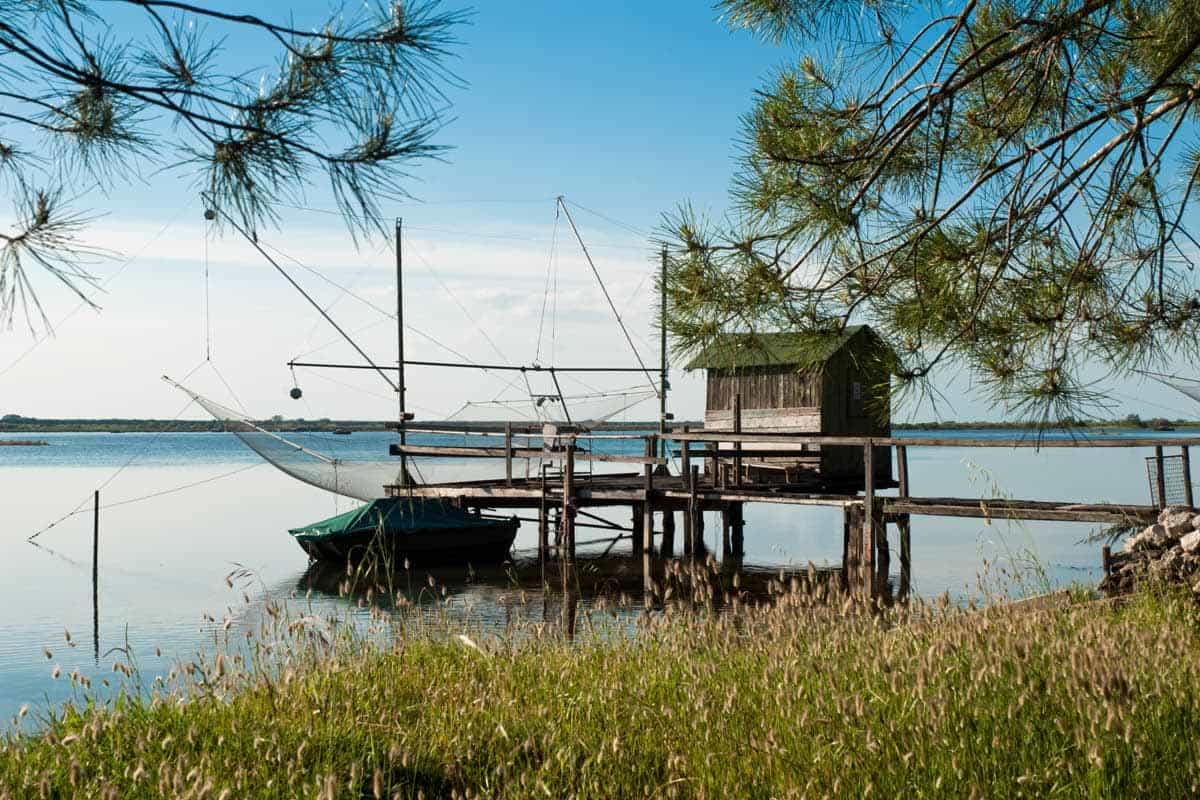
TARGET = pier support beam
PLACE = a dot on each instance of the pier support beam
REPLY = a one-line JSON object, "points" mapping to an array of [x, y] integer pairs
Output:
{"points": [[737, 523], [667, 548], [904, 526], [637, 528], [869, 516]]}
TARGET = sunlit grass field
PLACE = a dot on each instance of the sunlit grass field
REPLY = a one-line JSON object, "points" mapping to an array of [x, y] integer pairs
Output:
{"points": [[792, 698]]}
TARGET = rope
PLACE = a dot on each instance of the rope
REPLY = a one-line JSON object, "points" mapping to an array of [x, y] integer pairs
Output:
{"points": [[137, 454], [546, 292], [563, 204]]}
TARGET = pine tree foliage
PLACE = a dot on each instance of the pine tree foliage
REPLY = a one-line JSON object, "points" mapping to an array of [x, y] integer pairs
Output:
{"points": [[250, 111], [1001, 185]]}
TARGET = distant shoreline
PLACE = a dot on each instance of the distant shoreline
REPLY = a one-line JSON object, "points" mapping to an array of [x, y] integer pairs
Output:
{"points": [[35, 425]]}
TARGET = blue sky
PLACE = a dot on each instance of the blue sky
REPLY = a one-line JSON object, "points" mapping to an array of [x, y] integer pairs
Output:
{"points": [[625, 108]]}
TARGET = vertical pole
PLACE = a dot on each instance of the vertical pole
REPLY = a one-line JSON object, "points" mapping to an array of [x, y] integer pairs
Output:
{"points": [[667, 549], [648, 526], [847, 574], [568, 512], [710, 448], [1186, 460], [739, 530], [508, 453], [868, 525], [694, 545], [904, 523], [400, 347], [902, 468], [726, 539], [663, 382], [737, 445], [96, 575], [1160, 474], [685, 467], [639, 519], [543, 526]]}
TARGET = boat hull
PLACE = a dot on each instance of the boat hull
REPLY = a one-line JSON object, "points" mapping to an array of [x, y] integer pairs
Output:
{"points": [[391, 531]]}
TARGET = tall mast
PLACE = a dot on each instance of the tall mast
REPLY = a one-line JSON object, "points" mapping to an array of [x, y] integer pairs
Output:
{"points": [[400, 387], [662, 326]]}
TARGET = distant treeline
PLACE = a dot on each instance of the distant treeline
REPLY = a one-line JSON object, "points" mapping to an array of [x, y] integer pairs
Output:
{"points": [[14, 423]]}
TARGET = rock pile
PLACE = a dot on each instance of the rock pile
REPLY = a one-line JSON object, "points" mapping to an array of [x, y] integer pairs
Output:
{"points": [[1167, 551]]}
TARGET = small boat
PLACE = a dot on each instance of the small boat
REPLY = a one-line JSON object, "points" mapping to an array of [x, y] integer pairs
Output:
{"points": [[343, 431], [393, 529]]}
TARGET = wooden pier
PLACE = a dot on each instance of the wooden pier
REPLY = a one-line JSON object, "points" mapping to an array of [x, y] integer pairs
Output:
{"points": [[713, 478]]}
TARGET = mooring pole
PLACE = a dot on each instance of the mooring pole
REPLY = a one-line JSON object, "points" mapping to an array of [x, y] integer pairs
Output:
{"points": [[400, 348], [96, 575]]}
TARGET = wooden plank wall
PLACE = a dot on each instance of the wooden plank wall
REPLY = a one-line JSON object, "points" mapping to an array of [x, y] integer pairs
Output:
{"points": [[763, 388]]}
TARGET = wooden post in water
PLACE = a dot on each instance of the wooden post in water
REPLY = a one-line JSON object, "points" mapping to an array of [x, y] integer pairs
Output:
{"points": [[902, 469], [1160, 474], [508, 454], [568, 507], [637, 526], [904, 526], [685, 469], [696, 513], [1186, 460], [543, 524], [739, 530], [648, 527], [96, 575], [667, 548], [726, 531], [737, 445], [868, 522]]}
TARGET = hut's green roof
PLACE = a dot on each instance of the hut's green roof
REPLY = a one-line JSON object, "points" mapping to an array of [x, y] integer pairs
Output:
{"points": [[738, 350]]}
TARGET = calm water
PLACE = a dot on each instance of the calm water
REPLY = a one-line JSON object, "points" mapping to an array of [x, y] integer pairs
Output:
{"points": [[163, 561]]}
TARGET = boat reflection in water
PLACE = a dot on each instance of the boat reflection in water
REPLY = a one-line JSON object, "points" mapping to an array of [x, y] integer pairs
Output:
{"points": [[499, 598]]}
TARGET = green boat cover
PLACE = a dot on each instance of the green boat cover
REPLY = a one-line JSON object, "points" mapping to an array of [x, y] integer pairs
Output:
{"points": [[396, 514]]}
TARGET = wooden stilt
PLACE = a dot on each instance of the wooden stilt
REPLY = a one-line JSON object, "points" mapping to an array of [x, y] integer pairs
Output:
{"points": [[1186, 461], [904, 526], [637, 526], [508, 454], [726, 533], [737, 445], [689, 516], [1160, 474], [738, 524], [902, 469], [568, 506], [543, 525], [868, 521], [667, 548], [647, 548], [96, 576]]}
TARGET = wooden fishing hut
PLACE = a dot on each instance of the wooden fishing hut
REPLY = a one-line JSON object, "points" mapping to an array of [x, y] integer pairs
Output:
{"points": [[837, 385]]}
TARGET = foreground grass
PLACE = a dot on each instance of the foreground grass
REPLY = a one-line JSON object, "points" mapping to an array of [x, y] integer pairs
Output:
{"points": [[1088, 700]]}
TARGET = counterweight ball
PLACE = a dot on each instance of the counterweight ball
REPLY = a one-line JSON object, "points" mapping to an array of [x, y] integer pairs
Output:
{"points": [[209, 214], [296, 393]]}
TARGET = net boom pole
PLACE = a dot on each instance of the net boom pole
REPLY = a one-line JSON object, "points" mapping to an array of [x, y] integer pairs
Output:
{"points": [[400, 387]]}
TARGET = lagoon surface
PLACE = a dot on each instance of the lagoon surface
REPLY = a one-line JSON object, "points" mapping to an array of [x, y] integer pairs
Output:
{"points": [[164, 560]]}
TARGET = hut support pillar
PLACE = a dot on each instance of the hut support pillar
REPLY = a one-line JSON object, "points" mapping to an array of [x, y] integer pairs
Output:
{"points": [[904, 527], [667, 548], [1185, 459], [1161, 477], [726, 531], [869, 516], [737, 524]]}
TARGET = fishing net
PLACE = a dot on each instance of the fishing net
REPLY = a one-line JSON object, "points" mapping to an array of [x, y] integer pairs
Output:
{"points": [[582, 411], [362, 480], [1186, 385]]}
